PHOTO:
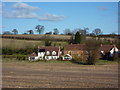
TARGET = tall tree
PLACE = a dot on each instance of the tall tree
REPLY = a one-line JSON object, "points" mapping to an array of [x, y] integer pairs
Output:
{"points": [[78, 38], [40, 28], [56, 31], [92, 48], [97, 31], [15, 31], [30, 31]]}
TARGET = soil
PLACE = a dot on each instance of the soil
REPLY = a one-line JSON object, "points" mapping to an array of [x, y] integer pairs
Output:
{"points": [[59, 75]]}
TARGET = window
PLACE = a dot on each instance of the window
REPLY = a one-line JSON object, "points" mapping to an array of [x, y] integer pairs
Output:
{"points": [[41, 50], [47, 53], [53, 53]]}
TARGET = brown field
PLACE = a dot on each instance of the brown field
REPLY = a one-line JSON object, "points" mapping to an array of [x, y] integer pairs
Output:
{"points": [[56, 37], [58, 75]]}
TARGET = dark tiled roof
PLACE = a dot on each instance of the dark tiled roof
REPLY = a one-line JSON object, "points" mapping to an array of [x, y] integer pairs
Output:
{"points": [[106, 48], [75, 47], [50, 49]]}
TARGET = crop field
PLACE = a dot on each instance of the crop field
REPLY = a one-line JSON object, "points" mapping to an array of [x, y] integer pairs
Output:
{"points": [[52, 37], [23, 74]]}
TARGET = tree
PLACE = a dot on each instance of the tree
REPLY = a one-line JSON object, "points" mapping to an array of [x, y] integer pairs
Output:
{"points": [[7, 33], [84, 31], [92, 46], [40, 28], [30, 31], [48, 33], [67, 32], [97, 31], [78, 38], [15, 31], [56, 31]]}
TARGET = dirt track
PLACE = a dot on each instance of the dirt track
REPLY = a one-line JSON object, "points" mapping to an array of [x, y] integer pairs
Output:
{"points": [[54, 75]]}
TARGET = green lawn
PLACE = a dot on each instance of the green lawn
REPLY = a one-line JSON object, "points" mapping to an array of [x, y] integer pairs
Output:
{"points": [[8, 60], [104, 62]]}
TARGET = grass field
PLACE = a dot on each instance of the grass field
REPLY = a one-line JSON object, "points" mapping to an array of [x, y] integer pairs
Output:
{"points": [[24, 74], [16, 44]]}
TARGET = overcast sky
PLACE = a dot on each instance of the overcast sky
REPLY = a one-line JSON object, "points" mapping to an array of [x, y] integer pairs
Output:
{"points": [[62, 15]]}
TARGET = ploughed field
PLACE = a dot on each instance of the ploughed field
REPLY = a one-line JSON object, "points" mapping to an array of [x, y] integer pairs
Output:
{"points": [[59, 75]]}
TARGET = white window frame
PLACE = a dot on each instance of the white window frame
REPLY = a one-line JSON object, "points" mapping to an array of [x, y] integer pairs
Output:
{"points": [[48, 53], [54, 53]]}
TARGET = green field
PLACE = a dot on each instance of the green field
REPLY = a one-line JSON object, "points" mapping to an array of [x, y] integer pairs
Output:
{"points": [[17, 44]]}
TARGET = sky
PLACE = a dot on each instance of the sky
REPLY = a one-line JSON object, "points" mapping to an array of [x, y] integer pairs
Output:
{"points": [[24, 16]]}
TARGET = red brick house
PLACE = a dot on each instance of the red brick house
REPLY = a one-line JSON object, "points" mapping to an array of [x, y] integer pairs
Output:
{"points": [[80, 50], [75, 49]]}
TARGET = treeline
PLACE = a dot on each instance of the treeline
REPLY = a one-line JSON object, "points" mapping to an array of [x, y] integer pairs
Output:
{"points": [[18, 57], [22, 51]]}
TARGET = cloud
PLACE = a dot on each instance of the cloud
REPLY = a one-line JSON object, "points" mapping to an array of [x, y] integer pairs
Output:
{"points": [[102, 8], [50, 17], [25, 11], [20, 14], [23, 6]]}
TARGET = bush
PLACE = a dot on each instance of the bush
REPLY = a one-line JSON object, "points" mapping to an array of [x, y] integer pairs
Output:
{"points": [[21, 57], [78, 59]]}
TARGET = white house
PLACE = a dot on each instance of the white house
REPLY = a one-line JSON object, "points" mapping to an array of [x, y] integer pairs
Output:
{"points": [[47, 53], [108, 50], [33, 57]]}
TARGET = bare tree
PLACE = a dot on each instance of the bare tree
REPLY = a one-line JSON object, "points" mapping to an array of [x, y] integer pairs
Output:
{"points": [[97, 31], [56, 31], [40, 28], [15, 31], [92, 48], [67, 32]]}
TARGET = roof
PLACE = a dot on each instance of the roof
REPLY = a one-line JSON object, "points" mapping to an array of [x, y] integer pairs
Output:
{"points": [[75, 47], [50, 49], [33, 54], [106, 48]]}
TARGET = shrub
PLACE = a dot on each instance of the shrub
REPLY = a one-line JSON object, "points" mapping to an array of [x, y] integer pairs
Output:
{"points": [[21, 57], [78, 59]]}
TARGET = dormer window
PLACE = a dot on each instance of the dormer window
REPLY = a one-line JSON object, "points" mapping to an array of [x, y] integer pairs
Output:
{"points": [[53, 53], [47, 53]]}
